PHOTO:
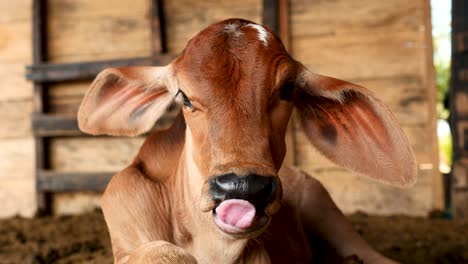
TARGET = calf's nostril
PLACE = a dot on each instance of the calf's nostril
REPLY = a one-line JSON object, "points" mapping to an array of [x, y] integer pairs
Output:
{"points": [[259, 190]]}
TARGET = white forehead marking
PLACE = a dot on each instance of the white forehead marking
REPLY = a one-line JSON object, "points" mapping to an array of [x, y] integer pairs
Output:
{"points": [[262, 33], [234, 29]]}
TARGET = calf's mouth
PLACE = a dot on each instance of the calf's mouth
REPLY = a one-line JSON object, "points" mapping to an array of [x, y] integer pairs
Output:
{"points": [[238, 217]]}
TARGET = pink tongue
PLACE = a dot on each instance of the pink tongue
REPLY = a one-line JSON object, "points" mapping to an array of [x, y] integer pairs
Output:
{"points": [[236, 213]]}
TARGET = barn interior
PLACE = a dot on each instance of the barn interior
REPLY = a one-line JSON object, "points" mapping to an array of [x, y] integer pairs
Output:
{"points": [[53, 174]]}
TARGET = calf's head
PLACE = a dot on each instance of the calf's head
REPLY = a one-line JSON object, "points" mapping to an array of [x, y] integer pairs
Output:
{"points": [[238, 86]]}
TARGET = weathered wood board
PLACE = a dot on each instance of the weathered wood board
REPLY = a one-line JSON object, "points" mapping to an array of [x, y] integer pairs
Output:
{"points": [[384, 47], [17, 189], [316, 18], [93, 154], [15, 118], [87, 30], [13, 11], [13, 85], [14, 42], [17, 185], [189, 17]]}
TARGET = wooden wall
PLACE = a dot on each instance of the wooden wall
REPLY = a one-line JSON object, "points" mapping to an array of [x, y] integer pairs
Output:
{"points": [[381, 45], [17, 193], [459, 108], [386, 47]]}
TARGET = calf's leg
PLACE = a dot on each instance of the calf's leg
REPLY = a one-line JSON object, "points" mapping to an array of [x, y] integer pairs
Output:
{"points": [[322, 218], [137, 213], [159, 252]]}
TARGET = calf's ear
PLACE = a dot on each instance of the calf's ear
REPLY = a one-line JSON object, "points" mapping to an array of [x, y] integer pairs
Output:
{"points": [[351, 127], [127, 101]]}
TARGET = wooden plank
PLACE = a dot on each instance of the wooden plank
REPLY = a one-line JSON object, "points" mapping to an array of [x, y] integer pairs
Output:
{"points": [[15, 43], [91, 154], [363, 55], [327, 18], [353, 193], [188, 17], [460, 174], [73, 9], [271, 14], [460, 70], [17, 159], [461, 189], [15, 11], [18, 198], [55, 125], [158, 28], [13, 85], [65, 97], [39, 55], [90, 30], [15, 118], [460, 100], [72, 203], [54, 181], [460, 42], [462, 74], [462, 143], [459, 16], [49, 72], [47, 125]]}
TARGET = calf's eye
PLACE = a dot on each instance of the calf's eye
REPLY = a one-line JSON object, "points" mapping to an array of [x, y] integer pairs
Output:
{"points": [[187, 102]]}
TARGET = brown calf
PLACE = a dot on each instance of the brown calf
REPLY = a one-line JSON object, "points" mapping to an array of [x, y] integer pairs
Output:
{"points": [[212, 189]]}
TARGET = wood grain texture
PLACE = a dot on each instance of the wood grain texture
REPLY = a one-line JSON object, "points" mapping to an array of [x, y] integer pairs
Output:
{"points": [[93, 154], [59, 72], [91, 30], [15, 46], [321, 18], [353, 56], [18, 197], [17, 159], [188, 17], [56, 181], [13, 85], [354, 193], [14, 11], [17, 190], [15, 119]]}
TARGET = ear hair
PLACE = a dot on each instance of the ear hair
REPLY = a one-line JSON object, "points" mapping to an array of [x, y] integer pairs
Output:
{"points": [[351, 127], [127, 101]]}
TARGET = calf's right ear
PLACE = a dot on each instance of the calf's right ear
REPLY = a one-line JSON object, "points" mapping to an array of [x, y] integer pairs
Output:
{"points": [[127, 101], [354, 129]]}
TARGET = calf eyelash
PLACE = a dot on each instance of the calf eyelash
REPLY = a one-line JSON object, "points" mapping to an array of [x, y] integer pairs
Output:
{"points": [[187, 102]]}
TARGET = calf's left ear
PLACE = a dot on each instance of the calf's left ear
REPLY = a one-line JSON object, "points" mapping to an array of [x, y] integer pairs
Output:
{"points": [[351, 127], [127, 101]]}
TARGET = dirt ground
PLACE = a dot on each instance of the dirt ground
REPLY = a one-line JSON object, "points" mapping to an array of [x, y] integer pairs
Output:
{"points": [[84, 239]]}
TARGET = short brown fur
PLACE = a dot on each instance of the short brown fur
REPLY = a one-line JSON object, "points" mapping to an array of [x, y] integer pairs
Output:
{"points": [[234, 75]]}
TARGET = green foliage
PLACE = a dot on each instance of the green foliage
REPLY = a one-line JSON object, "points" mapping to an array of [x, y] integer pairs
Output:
{"points": [[442, 71], [445, 149]]}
